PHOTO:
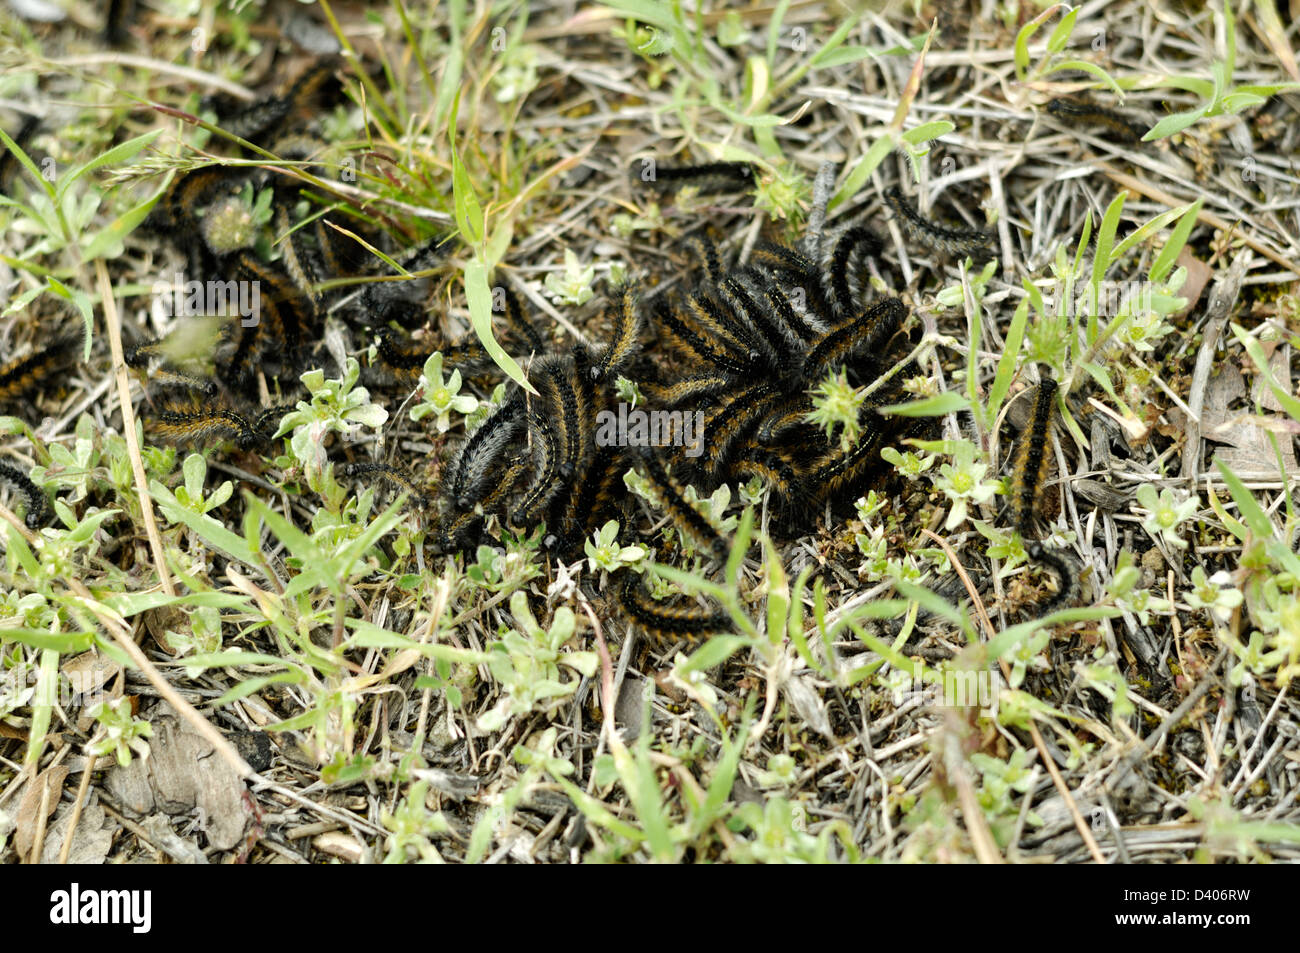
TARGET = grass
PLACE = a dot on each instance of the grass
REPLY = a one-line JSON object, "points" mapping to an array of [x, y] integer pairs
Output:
{"points": [[500, 707]]}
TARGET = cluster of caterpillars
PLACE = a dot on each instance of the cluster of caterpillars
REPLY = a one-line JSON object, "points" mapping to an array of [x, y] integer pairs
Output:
{"points": [[740, 349]]}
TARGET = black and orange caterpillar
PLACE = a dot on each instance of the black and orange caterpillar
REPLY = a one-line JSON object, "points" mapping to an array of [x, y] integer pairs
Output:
{"points": [[1032, 463]]}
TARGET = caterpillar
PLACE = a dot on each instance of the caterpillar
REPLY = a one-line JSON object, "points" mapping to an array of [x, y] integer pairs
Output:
{"points": [[1031, 461], [627, 324], [176, 425], [1028, 473], [852, 239], [1076, 111], [417, 497], [481, 451], [666, 623], [727, 176], [24, 375], [117, 22], [9, 161], [38, 509], [1064, 567], [866, 334], [687, 517], [954, 242], [702, 249], [316, 89]]}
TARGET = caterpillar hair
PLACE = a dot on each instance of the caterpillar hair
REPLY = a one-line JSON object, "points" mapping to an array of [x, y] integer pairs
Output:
{"points": [[1031, 461], [23, 376], [773, 470], [793, 264], [399, 478], [272, 415], [849, 242], [38, 510], [317, 88], [177, 210], [455, 529], [599, 494], [407, 364], [1073, 112], [668, 623], [584, 371], [953, 242], [1064, 567], [840, 476], [201, 426], [680, 330], [868, 333], [695, 387], [785, 417], [714, 176], [480, 452], [769, 342], [297, 262], [688, 519], [553, 377], [698, 248], [735, 419], [795, 328], [169, 377], [9, 161], [627, 324], [546, 455], [117, 22]]}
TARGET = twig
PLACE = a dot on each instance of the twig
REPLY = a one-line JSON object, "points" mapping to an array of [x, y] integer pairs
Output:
{"points": [[109, 304], [82, 788]]}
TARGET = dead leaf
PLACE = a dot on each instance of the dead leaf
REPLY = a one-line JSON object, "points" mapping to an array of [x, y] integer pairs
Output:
{"points": [[183, 774], [630, 705], [158, 621], [30, 808], [90, 671], [91, 841], [1198, 276], [809, 706], [1249, 452]]}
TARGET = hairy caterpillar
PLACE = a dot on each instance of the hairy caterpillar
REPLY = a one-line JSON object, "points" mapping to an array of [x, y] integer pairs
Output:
{"points": [[400, 478], [724, 175], [954, 242], [1064, 567], [22, 376], [1028, 473], [1075, 111], [38, 510], [1031, 461], [665, 623], [687, 517]]}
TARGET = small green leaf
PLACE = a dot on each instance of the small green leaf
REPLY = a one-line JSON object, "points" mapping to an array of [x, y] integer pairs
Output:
{"points": [[936, 406], [479, 296]]}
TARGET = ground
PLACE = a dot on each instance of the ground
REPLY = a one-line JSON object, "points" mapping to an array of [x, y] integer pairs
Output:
{"points": [[224, 650]]}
